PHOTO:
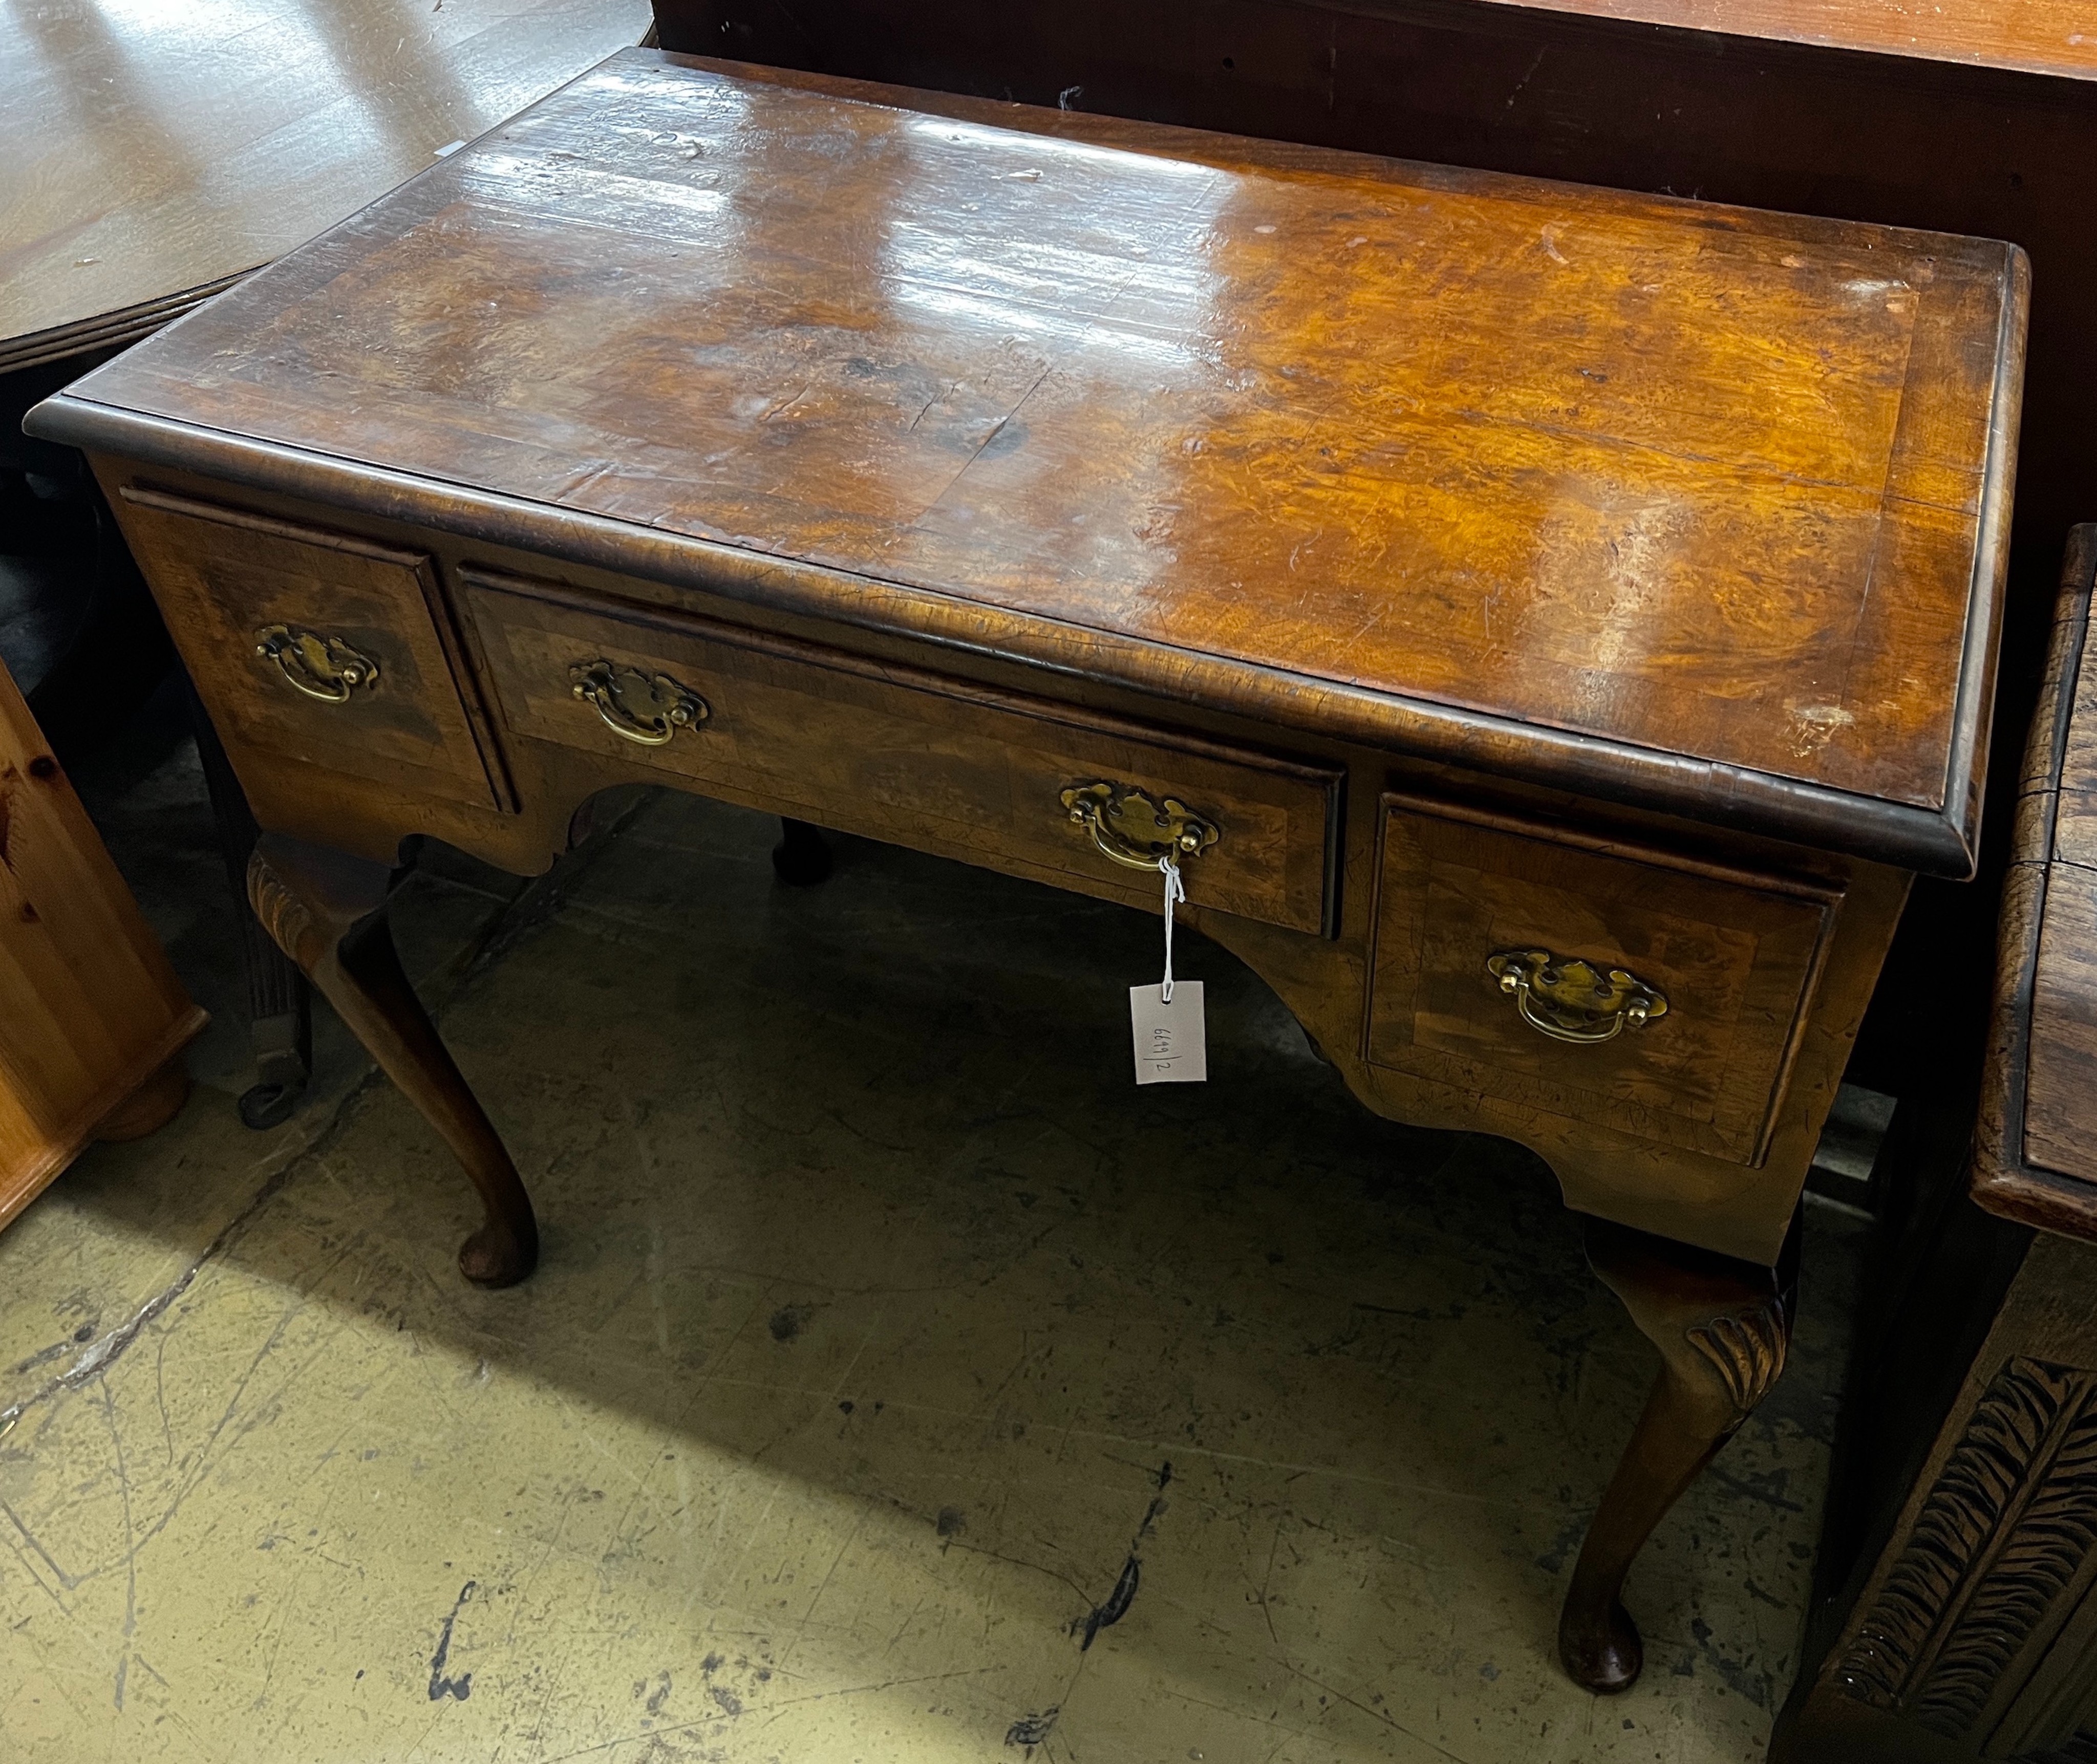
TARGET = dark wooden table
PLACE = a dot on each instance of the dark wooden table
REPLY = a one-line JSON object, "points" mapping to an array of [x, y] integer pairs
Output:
{"points": [[2052, 36], [1552, 626], [154, 157], [1955, 1619]]}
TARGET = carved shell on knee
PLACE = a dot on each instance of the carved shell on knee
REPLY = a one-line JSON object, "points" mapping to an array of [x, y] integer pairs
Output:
{"points": [[281, 913], [1747, 1350]]}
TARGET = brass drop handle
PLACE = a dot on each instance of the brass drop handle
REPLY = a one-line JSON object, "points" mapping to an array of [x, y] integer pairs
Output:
{"points": [[320, 667], [1570, 1000], [645, 709], [1129, 827]]}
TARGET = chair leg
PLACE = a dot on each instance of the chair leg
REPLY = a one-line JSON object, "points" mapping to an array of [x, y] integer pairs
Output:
{"points": [[326, 911], [280, 1011], [1723, 1328], [279, 1003]]}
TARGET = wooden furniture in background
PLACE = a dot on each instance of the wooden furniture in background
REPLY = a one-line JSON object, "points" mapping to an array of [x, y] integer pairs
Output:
{"points": [[154, 158], [93, 1021], [1962, 1623], [2056, 37], [1552, 626]]}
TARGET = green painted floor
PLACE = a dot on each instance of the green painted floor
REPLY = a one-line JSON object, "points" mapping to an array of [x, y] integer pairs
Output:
{"points": [[899, 1383]]}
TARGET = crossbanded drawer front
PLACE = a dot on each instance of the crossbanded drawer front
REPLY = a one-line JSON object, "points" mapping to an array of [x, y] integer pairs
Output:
{"points": [[906, 755], [1647, 993], [322, 646]]}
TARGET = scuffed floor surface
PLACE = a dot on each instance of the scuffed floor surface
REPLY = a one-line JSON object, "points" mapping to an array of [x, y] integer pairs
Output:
{"points": [[899, 1383]]}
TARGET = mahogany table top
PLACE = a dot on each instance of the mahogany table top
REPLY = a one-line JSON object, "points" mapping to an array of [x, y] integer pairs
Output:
{"points": [[2050, 37], [155, 151], [1702, 504]]}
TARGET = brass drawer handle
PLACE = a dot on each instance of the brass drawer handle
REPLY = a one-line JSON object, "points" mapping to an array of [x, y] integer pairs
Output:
{"points": [[1570, 1000], [645, 709], [1128, 827], [322, 667]]}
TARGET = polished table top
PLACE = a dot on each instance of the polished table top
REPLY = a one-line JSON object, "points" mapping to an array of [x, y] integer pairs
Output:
{"points": [[2052, 37], [154, 149], [1427, 456]]}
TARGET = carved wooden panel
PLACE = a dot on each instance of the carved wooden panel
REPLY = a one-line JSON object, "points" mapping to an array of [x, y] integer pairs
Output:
{"points": [[1998, 1560]]}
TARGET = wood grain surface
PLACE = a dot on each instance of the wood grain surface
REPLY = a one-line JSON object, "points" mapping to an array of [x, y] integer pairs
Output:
{"points": [[2074, 830], [153, 152], [2035, 1149], [90, 1009], [224, 577], [1954, 146], [902, 755], [2060, 1095], [1693, 480], [2055, 37], [1735, 957]]}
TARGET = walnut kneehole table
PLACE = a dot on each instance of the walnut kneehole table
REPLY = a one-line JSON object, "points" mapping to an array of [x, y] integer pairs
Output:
{"points": [[1554, 624]]}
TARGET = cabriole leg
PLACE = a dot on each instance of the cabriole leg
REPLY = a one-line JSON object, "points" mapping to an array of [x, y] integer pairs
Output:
{"points": [[1722, 1327], [326, 912]]}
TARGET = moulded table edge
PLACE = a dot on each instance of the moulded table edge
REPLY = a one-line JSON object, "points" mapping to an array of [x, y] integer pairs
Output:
{"points": [[1709, 792]]}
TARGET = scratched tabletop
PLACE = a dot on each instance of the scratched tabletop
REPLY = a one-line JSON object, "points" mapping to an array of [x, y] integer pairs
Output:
{"points": [[1671, 476], [154, 152]]}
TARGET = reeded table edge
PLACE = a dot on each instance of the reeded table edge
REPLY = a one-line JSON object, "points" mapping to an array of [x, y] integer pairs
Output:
{"points": [[2002, 1180], [1703, 791]]}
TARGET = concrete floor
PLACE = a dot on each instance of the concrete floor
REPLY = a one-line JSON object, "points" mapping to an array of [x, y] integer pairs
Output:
{"points": [[899, 1384]]}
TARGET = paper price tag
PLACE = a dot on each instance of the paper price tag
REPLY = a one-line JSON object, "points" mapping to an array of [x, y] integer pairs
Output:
{"points": [[1171, 1040]]}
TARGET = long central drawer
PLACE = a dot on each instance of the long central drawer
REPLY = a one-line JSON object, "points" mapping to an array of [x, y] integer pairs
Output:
{"points": [[904, 755]]}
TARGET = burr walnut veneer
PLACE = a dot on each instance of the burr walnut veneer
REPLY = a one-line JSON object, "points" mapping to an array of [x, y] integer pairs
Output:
{"points": [[1553, 626]]}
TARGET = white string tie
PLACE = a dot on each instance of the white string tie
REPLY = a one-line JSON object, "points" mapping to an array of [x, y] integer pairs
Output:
{"points": [[1175, 890]]}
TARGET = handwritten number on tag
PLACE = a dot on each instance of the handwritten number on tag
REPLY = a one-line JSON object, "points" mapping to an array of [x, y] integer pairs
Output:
{"points": [[1172, 1041]]}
